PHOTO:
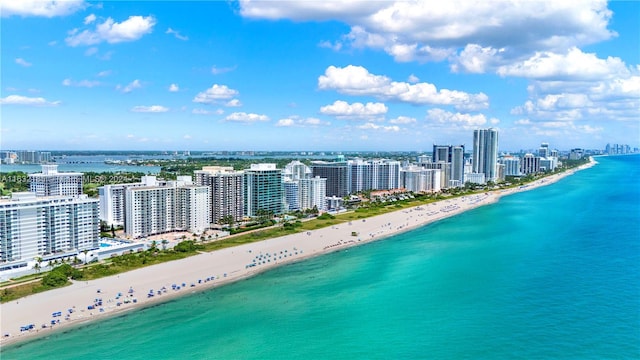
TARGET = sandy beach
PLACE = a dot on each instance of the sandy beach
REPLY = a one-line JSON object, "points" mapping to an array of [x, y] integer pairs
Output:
{"points": [[86, 301]]}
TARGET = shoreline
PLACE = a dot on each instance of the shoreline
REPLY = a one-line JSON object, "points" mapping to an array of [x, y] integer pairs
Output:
{"points": [[207, 270]]}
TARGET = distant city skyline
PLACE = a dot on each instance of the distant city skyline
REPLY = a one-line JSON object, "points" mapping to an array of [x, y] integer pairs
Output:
{"points": [[316, 76]]}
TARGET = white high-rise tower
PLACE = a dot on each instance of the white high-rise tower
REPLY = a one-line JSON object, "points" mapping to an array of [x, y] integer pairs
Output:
{"points": [[485, 153]]}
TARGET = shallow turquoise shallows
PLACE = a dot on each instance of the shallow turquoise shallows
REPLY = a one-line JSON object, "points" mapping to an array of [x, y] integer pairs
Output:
{"points": [[552, 273]]}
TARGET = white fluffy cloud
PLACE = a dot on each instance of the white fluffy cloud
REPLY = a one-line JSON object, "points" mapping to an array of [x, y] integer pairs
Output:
{"points": [[402, 120], [301, 122], [23, 62], [372, 126], [150, 109], [215, 94], [113, 32], [343, 110], [413, 79], [574, 65], [435, 31], [458, 120], [578, 88], [233, 103], [29, 101], [44, 8], [356, 80], [89, 19], [308, 10], [81, 83], [199, 111], [135, 84], [246, 117], [174, 88]]}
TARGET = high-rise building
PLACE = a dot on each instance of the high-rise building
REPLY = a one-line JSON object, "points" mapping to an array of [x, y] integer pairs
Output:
{"points": [[32, 226], [296, 170], [424, 159], [227, 191], [112, 200], [366, 175], [485, 153], [453, 155], [360, 176], [28, 156], [313, 193], [292, 194], [444, 173], [576, 154], [544, 152], [45, 157], [530, 164], [52, 183], [419, 179], [385, 174], [193, 212], [511, 165], [337, 175], [177, 206], [263, 190]]}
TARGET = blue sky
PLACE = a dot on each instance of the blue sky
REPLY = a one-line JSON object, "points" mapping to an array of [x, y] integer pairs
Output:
{"points": [[317, 75]]}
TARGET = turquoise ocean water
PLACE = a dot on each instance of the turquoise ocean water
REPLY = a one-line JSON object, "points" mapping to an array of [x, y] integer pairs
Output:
{"points": [[549, 273]]}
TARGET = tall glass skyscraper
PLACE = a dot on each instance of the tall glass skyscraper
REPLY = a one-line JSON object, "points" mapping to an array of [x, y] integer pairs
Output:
{"points": [[485, 153], [263, 189], [455, 156]]}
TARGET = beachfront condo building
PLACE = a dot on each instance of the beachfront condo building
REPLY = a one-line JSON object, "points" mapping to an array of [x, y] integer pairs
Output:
{"points": [[50, 182], [485, 153], [476, 178], [227, 191], [548, 164], [263, 190], [313, 193], [193, 211], [445, 171], [336, 174], [292, 194], [175, 206], [32, 226], [112, 200], [367, 175], [305, 193], [530, 164], [360, 175], [453, 155], [419, 179], [511, 164], [386, 174]]}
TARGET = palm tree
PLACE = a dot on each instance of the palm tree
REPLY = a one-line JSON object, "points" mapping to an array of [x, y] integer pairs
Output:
{"points": [[164, 244], [85, 251], [37, 266]]}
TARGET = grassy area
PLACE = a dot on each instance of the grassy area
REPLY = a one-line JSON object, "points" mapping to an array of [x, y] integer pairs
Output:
{"points": [[124, 263], [19, 291]]}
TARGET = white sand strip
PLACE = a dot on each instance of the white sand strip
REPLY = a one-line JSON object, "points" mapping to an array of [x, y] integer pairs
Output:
{"points": [[219, 267]]}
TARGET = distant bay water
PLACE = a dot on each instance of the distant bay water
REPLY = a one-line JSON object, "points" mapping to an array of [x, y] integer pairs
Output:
{"points": [[552, 273], [96, 163], [88, 163]]}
